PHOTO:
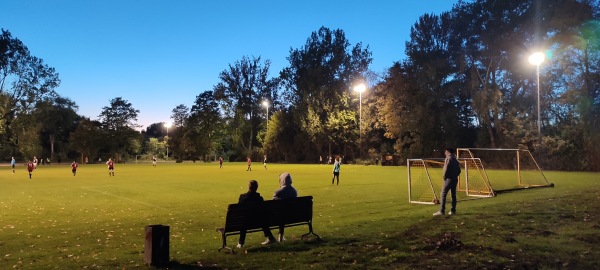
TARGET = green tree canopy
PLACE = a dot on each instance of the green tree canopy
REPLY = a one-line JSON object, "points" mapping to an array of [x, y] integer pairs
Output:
{"points": [[243, 87], [319, 81]]}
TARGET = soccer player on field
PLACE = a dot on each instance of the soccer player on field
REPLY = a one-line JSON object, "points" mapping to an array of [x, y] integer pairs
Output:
{"points": [[154, 161], [74, 167], [220, 162], [336, 171], [111, 167], [249, 164], [13, 163], [30, 167], [265, 162]]}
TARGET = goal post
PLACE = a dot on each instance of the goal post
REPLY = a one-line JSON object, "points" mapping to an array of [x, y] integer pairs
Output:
{"points": [[420, 186], [511, 168], [474, 180], [425, 180]]}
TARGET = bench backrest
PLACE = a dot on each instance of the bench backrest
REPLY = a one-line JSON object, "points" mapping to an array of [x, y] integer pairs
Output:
{"points": [[268, 213]]}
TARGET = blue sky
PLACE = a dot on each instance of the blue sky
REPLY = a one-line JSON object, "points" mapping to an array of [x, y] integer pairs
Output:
{"points": [[159, 54]]}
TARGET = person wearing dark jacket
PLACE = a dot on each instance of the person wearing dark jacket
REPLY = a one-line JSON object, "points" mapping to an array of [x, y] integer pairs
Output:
{"points": [[253, 197], [285, 191], [451, 173]]}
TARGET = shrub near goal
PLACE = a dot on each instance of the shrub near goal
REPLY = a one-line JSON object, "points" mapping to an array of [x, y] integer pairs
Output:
{"points": [[425, 180]]}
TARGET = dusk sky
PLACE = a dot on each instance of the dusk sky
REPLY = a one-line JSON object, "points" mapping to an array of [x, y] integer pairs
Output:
{"points": [[159, 54]]}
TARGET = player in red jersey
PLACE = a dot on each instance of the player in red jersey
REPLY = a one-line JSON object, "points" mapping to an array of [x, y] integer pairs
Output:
{"points": [[30, 167], [111, 167], [74, 166]]}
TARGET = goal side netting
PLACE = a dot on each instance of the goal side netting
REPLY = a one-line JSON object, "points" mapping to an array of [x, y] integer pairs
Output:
{"points": [[425, 180], [508, 169]]}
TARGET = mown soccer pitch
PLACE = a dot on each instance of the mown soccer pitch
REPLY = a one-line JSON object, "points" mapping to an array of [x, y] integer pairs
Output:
{"points": [[93, 220]]}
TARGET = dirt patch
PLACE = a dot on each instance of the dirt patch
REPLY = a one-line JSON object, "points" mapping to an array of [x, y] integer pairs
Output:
{"points": [[444, 242]]}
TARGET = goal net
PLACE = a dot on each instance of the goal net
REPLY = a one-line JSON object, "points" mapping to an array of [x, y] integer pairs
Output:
{"points": [[425, 180], [508, 169]]}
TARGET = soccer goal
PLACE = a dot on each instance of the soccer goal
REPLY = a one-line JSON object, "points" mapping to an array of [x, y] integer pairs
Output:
{"points": [[508, 169], [425, 180]]}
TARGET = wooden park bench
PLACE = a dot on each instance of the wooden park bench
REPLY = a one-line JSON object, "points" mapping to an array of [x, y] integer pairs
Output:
{"points": [[255, 216]]}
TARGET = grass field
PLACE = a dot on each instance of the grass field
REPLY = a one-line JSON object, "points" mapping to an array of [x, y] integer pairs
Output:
{"points": [[94, 221]]}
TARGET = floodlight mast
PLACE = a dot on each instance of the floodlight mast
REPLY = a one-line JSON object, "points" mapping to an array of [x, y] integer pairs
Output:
{"points": [[167, 125], [360, 88], [537, 59], [266, 105]]}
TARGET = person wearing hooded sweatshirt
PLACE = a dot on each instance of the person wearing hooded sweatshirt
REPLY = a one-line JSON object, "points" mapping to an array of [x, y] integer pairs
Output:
{"points": [[285, 191]]}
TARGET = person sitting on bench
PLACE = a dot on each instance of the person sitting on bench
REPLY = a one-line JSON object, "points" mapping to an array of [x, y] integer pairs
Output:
{"points": [[253, 197], [285, 191]]}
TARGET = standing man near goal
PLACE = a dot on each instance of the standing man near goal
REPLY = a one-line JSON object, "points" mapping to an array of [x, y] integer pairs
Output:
{"points": [[451, 173]]}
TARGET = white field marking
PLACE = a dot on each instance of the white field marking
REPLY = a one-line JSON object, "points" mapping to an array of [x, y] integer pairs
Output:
{"points": [[124, 198]]}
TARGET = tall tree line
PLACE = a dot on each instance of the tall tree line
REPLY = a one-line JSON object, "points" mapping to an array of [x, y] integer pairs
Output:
{"points": [[464, 81], [467, 75]]}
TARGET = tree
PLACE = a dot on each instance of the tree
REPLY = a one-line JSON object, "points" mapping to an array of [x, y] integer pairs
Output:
{"points": [[180, 115], [319, 80], [203, 123], [119, 115], [58, 118], [88, 138], [26, 139], [174, 139], [155, 130], [573, 101], [240, 92], [425, 88], [24, 81], [119, 123], [283, 137], [155, 147], [466, 75]]}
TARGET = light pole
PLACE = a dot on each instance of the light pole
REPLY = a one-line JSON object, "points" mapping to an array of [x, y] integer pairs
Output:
{"points": [[536, 59], [360, 89], [266, 104], [167, 125]]}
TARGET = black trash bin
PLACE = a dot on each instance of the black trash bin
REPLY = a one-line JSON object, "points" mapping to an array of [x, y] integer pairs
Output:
{"points": [[156, 249]]}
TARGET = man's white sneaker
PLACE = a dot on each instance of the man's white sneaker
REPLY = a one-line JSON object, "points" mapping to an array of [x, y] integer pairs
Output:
{"points": [[452, 213], [280, 238], [438, 213], [269, 241], [239, 245]]}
